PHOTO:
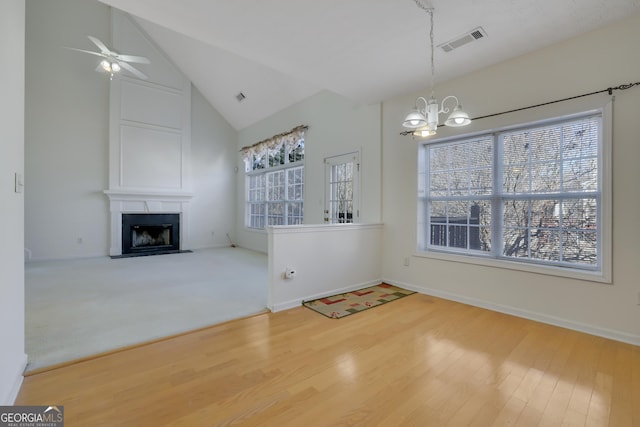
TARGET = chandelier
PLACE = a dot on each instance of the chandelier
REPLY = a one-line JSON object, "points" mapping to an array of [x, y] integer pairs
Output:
{"points": [[423, 119]]}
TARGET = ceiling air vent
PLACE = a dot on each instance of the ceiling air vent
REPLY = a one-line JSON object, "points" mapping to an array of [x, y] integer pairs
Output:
{"points": [[473, 35]]}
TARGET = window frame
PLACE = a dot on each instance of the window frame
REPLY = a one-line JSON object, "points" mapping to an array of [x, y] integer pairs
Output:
{"points": [[266, 172], [353, 185], [597, 274]]}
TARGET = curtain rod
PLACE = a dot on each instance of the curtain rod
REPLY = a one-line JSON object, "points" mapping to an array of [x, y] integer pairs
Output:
{"points": [[609, 90]]}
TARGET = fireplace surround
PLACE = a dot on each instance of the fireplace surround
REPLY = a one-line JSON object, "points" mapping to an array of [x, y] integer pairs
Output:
{"points": [[157, 205]]}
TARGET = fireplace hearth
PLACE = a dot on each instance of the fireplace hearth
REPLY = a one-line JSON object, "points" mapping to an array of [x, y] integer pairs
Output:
{"points": [[150, 234]]}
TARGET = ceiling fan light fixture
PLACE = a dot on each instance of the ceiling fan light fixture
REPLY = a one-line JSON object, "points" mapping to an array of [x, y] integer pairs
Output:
{"points": [[113, 62]]}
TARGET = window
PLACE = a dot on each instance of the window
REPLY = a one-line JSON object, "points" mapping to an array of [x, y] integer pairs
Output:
{"points": [[342, 175], [531, 194], [275, 180]]}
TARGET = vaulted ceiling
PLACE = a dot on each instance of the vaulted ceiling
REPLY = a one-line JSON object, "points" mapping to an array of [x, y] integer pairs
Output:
{"points": [[279, 52]]}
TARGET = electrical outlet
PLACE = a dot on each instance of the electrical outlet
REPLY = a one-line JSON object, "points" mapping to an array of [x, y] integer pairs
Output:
{"points": [[406, 262]]}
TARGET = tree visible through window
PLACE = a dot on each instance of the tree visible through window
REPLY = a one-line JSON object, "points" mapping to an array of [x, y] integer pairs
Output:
{"points": [[275, 180], [530, 194]]}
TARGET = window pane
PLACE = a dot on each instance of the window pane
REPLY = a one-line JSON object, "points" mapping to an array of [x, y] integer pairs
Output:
{"points": [[259, 160], [297, 152], [545, 213], [580, 247], [516, 243], [516, 213], [439, 184], [458, 225], [580, 139], [515, 149], [276, 156], [580, 175], [294, 213], [275, 214], [559, 159], [579, 213], [516, 179], [481, 181], [545, 177], [545, 245]]}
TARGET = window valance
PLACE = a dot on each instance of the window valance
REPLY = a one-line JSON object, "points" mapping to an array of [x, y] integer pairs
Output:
{"points": [[289, 139]]}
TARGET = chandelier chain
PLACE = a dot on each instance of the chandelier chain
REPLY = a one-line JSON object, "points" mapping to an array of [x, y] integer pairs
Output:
{"points": [[429, 11]]}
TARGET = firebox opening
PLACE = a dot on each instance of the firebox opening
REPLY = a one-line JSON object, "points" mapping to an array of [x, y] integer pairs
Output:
{"points": [[150, 234]]}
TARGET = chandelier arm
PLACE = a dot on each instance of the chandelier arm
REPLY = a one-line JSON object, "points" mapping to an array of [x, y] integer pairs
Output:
{"points": [[445, 110], [424, 110]]}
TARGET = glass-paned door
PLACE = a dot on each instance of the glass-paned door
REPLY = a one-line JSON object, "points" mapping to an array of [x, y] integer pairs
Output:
{"points": [[342, 188]]}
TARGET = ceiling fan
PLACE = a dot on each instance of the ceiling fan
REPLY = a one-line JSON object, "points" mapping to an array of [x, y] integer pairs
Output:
{"points": [[114, 62]]}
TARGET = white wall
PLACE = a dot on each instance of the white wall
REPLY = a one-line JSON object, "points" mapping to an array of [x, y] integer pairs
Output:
{"points": [[328, 259], [214, 154], [603, 58], [67, 146], [12, 357], [336, 126], [66, 134]]}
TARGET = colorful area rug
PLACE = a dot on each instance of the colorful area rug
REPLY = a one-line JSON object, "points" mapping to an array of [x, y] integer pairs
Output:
{"points": [[342, 305]]}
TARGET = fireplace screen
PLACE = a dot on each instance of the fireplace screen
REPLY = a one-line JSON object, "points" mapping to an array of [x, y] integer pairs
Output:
{"points": [[150, 235], [147, 234]]}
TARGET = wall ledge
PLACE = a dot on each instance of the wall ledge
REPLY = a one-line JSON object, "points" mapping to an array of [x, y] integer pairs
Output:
{"points": [[315, 228]]}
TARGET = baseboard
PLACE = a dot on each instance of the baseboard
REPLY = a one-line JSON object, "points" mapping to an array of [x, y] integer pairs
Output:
{"points": [[17, 383], [298, 301], [69, 258], [216, 246], [525, 314]]}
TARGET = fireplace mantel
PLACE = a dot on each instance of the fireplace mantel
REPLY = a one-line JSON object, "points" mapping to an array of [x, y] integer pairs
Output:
{"points": [[140, 201], [126, 194]]}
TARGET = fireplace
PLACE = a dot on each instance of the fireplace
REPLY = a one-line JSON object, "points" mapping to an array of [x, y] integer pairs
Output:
{"points": [[150, 233]]}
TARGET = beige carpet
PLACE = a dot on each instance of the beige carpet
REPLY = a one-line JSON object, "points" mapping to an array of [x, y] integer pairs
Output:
{"points": [[77, 308]]}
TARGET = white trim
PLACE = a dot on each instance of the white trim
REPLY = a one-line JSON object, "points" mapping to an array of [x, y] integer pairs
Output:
{"points": [[549, 270], [633, 339], [17, 383], [312, 228], [602, 275], [127, 194], [356, 186], [298, 301]]}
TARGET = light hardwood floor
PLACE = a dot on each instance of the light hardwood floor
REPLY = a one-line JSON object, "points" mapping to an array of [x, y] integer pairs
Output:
{"points": [[418, 361]]}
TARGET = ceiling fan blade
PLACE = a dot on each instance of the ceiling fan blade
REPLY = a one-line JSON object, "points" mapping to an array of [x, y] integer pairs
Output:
{"points": [[131, 58], [103, 48], [135, 72], [87, 51]]}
